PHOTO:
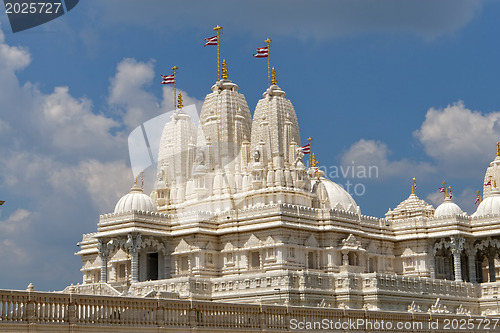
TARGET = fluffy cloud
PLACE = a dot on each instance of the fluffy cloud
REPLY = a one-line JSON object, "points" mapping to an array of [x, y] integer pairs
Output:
{"points": [[63, 163], [17, 222], [370, 153], [13, 57], [128, 94], [459, 138]]}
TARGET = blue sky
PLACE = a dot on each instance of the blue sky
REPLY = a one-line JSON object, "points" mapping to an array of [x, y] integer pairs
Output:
{"points": [[410, 87]]}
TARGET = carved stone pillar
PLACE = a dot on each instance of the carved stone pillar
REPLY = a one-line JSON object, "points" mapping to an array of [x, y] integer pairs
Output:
{"points": [[345, 258], [471, 255], [457, 246], [103, 250], [133, 245], [432, 262], [491, 265]]}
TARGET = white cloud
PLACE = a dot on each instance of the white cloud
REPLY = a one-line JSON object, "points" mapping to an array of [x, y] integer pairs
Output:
{"points": [[73, 127], [17, 222], [370, 153], [13, 57], [459, 139], [127, 92]]}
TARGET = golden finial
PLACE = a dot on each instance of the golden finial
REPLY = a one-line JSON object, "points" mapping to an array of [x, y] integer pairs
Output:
{"points": [[224, 69], [498, 148], [180, 101], [314, 163], [273, 78], [217, 28], [136, 181], [413, 186]]}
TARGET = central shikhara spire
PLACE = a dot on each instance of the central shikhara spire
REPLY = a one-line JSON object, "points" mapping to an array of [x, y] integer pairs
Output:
{"points": [[229, 156]]}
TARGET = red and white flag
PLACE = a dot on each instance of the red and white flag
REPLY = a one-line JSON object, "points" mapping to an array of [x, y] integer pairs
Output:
{"points": [[305, 149], [488, 183], [211, 41], [477, 199], [450, 194], [441, 189], [168, 79], [262, 52]]}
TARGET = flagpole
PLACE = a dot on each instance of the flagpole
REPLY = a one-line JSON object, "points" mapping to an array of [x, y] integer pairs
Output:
{"points": [[175, 86], [444, 187], [217, 28], [310, 149], [268, 41]]}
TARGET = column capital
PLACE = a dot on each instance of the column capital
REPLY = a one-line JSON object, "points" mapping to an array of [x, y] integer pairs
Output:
{"points": [[457, 244], [102, 247], [133, 243]]}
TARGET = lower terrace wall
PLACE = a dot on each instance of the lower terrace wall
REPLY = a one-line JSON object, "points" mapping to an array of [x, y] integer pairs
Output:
{"points": [[30, 311]]}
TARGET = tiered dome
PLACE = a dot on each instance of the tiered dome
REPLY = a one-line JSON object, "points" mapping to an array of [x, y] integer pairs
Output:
{"points": [[135, 200], [448, 208], [490, 205], [413, 206]]}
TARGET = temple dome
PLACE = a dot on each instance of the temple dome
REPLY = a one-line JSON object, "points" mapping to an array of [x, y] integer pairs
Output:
{"points": [[334, 196], [448, 208], [135, 200], [413, 206], [490, 205]]}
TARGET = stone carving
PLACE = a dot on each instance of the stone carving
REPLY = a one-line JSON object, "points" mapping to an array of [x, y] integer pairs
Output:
{"points": [[438, 307], [413, 307], [463, 311], [256, 156], [133, 244]]}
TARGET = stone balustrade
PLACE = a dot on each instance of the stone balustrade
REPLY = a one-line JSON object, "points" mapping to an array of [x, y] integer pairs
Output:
{"points": [[58, 312]]}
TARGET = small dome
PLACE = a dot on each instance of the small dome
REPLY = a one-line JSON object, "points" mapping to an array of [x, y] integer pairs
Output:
{"points": [[490, 205], [135, 200], [448, 208], [337, 197]]}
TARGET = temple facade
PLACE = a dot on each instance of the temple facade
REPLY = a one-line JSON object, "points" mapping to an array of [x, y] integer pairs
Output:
{"points": [[235, 216]]}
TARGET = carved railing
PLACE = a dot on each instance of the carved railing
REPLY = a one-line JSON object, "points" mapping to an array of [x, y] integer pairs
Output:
{"points": [[22, 309]]}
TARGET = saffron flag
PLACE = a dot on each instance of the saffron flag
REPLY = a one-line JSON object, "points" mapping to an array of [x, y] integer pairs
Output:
{"points": [[262, 52], [212, 40], [477, 199], [305, 149], [168, 79]]}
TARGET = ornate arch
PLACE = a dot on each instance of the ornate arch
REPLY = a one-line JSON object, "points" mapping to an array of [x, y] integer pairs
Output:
{"points": [[150, 241]]}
